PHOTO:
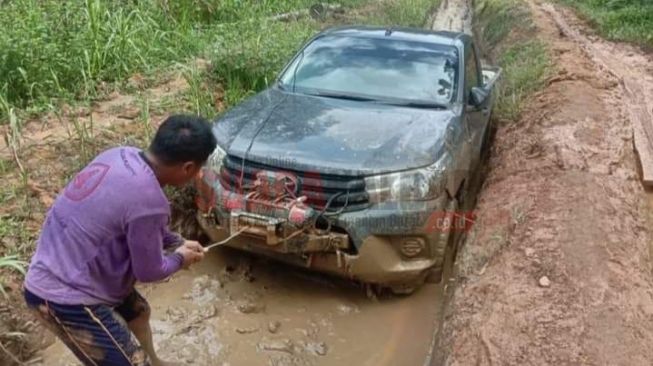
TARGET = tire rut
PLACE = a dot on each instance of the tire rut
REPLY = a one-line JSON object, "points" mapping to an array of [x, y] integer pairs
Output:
{"points": [[453, 15]]}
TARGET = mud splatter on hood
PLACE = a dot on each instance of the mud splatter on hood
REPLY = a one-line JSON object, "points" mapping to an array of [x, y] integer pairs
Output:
{"points": [[332, 136]]}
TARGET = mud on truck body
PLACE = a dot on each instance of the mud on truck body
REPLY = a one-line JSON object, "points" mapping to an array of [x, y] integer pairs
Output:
{"points": [[358, 159]]}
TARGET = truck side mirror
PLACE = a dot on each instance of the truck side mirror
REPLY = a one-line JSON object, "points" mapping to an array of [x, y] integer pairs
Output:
{"points": [[477, 96]]}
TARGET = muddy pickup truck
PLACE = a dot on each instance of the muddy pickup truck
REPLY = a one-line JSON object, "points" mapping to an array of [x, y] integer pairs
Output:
{"points": [[359, 160]]}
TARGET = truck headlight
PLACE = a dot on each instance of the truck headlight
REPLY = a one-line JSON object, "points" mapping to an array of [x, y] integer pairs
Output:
{"points": [[216, 159], [411, 185]]}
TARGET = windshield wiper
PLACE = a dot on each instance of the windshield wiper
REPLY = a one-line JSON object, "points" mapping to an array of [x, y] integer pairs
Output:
{"points": [[343, 96], [425, 105]]}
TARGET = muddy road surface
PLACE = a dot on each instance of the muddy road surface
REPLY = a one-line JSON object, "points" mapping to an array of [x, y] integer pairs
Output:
{"points": [[453, 15], [233, 309]]}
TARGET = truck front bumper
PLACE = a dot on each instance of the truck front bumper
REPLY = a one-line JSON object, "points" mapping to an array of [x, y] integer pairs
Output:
{"points": [[392, 244]]}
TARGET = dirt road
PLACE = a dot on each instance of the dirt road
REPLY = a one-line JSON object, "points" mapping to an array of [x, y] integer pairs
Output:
{"points": [[453, 15], [569, 279]]}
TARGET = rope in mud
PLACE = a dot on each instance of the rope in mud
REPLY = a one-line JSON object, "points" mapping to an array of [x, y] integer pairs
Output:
{"points": [[225, 241], [206, 249]]}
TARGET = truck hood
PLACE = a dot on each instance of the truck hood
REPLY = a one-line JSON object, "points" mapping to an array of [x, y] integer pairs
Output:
{"points": [[332, 136]]}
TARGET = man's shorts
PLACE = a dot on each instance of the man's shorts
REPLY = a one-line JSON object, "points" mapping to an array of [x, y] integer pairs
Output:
{"points": [[96, 334]]}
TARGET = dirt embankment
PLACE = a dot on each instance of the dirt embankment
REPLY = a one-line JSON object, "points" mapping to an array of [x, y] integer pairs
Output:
{"points": [[569, 279]]}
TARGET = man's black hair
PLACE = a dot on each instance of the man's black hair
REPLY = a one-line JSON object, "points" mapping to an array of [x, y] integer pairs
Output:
{"points": [[182, 138]]}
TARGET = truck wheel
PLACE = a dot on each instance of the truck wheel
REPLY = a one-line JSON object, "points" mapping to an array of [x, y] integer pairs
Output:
{"points": [[406, 289], [403, 290], [434, 275], [486, 143]]}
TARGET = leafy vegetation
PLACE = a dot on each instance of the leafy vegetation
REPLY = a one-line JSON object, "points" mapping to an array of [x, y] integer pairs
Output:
{"points": [[620, 20], [507, 37], [11, 262]]}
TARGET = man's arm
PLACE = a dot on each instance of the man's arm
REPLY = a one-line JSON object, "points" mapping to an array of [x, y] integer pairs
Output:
{"points": [[145, 241], [171, 240]]}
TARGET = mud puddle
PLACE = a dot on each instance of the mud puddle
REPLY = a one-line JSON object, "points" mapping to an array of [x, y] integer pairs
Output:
{"points": [[233, 309]]}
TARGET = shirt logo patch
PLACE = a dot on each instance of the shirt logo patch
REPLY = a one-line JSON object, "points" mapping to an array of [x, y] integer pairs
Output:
{"points": [[86, 181]]}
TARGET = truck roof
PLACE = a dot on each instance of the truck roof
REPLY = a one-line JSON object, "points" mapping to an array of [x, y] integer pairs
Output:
{"points": [[401, 33]]}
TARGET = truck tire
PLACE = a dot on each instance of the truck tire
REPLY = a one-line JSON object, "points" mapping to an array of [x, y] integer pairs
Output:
{"points": [[434, 275]]}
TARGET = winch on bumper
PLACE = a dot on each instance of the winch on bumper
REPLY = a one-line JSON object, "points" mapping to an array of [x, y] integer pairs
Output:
{"points": [[393, 245]]}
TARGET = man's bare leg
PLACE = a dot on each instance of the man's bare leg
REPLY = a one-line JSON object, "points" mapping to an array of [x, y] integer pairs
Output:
{"points": [[143, 332]]}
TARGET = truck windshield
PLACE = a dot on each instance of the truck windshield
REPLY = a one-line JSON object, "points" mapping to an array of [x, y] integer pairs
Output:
{"points": [[374, 69]]}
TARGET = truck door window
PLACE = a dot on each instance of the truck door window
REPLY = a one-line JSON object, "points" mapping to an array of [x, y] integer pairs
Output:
{"points": [[471, 72]]}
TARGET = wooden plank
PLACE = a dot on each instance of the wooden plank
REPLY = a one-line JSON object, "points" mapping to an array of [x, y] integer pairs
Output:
{"points": [[644, 151]]}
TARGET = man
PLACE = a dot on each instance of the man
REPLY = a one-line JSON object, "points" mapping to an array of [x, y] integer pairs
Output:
{"points": [[107, 230]]}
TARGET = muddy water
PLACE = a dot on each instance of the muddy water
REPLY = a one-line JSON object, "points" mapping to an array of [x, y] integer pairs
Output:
{"points": [[232, 309]]}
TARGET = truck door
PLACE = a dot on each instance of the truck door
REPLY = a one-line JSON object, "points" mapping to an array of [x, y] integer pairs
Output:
{"points": [[475, 117]]}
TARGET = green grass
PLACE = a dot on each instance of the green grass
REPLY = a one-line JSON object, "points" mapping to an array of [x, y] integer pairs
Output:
{"points": [[10, 262], [407, 13], [507, 37], [494, 19], [53, 50], [248, 59], [525, 66], [620, 20], [56, 51]]}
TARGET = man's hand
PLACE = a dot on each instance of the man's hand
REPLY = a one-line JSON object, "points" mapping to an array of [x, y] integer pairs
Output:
{"points": [[192, 252]]}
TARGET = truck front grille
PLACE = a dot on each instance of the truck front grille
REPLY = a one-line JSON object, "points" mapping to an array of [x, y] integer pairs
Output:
{"points": [[349, 191]]}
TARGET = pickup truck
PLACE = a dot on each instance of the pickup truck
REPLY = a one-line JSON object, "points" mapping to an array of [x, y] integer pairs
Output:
{"points": [[360, 160]]}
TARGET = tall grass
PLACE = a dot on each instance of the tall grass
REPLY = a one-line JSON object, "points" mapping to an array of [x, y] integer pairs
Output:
{"points": [[526, 67], [507, 37], [62, 49], [407, 13], [248, 59], [621, 20]]}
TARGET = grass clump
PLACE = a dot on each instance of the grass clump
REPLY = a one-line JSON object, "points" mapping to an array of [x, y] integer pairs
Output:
{"points": [[407, 13], [507, 37], [10, 262], [620, 20], [494, 19], [525, 66], [248, 59]]}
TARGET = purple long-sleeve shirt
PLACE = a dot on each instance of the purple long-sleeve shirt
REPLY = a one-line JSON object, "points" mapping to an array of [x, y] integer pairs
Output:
{"points": [[104, 232]]}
